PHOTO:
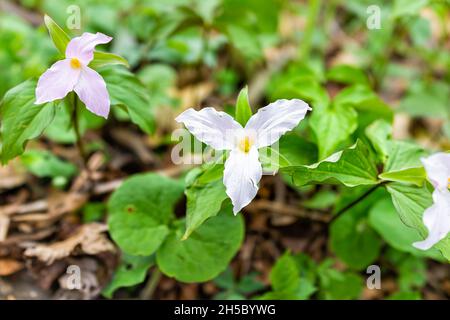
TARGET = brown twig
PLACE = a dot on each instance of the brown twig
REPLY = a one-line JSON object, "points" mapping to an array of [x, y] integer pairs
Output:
{"points": [[280, 208]]}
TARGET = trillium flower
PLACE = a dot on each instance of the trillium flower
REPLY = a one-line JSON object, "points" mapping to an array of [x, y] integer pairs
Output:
{"points": [[219, 130], [437, 217], [73, 74]]}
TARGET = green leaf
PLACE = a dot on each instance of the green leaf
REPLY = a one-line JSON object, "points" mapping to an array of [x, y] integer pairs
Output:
{"points": [[403, 155], [369, 106], [131, 271], [21, 119], [286, 281], [203, 201], [297, 150], [379, 134], [410, 203], [352, 167], [59, 37], [206, 253], [43, 163], [244, 41], [404, 8], [332, 125], [243, 109], [352, 238], [347, 74], [385, 220], [61, 128], [403, 163], [127, 91], [416, 176], [336, 285], [140, 211], [102, 59], [423, 95], [411, 270]]}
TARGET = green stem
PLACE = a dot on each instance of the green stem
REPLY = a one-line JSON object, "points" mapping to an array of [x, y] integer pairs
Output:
{"points": [[76, 127], [355, 202], [152, 283], [313, 14]]}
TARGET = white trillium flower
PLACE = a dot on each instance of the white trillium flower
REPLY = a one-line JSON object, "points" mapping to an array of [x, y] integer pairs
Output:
{"points": [[437, 217], [219, 130]]}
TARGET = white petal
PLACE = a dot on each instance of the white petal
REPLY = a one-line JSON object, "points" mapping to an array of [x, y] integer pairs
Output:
{"points": [[437, 167], [241, 177], [56, 82], [82, 47], [437, 220], [274, 120], [212, 127], [91, 89]]}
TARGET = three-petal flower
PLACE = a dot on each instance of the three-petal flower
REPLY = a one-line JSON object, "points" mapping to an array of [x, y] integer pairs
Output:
{"points": [[219, 130], [73, 74], [437, 217]]}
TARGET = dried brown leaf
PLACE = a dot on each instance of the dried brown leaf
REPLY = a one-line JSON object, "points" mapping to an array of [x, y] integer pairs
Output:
{"points": [[89, 238]]}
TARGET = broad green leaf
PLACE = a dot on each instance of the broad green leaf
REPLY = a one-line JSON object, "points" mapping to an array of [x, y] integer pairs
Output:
{"points": [[368, 104], [61, 128], [403, 155], [416, 176], [205, 193], [352, 238], [410, 203], [411, 270], [286, 281], [243, 109], [131, 271], [297, 150], [403, 160], [379, 134], [244, 41], [206, 253], [43, 163], [59, 37], [385, 220], [332, 125], [140, 211], [203, 201], [337, 285], [102, 59], [322, 199], [352, 167], [236, 289], [429, 100], [347, 74], [21, 119], [127, 91]]}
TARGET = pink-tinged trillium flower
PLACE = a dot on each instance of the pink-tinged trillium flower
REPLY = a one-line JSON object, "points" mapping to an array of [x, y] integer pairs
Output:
{"points": [[219, 130], [437, 217], [73, 74]]}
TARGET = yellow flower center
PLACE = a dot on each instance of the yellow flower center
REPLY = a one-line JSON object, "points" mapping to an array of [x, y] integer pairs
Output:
{"points": [[448, 180], [75, 63], [245, 144]]}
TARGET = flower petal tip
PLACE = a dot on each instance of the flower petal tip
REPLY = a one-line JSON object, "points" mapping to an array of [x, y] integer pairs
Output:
{"points": [[422, 245]]}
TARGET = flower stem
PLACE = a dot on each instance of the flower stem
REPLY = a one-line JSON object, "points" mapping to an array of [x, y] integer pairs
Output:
{"points": [[76, 127], [314, 7], [355, 202], [152, 283]]}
